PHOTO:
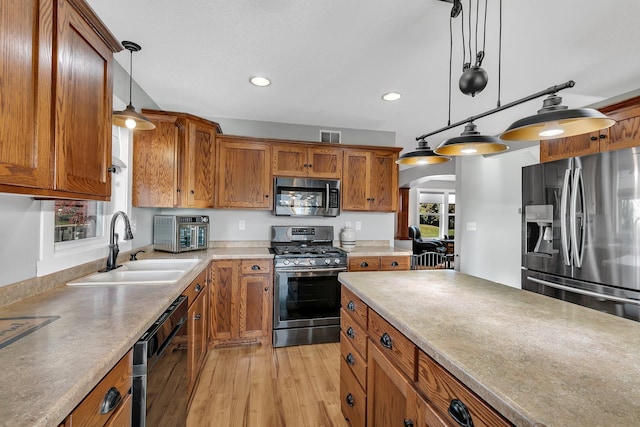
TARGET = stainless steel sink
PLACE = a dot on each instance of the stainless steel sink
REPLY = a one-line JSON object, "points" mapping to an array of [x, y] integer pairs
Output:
{"points": [[143, 272]]}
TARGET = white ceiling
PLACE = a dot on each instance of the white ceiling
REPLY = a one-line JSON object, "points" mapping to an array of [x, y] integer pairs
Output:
{"points": [[331, 60]]}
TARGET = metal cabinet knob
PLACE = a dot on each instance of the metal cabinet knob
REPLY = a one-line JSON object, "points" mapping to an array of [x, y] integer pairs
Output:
{"points": [[198, 287], [197, 317], [350, 400], [351, 333], [350, 359], [385, 340], [351, 306]]}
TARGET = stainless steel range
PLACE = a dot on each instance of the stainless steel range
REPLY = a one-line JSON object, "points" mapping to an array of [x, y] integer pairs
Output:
{"points": [[306, 304]]}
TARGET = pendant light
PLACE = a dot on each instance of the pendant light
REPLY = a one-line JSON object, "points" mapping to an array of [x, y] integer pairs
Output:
{"points": [[555, 120], [423, 155], [129, 118], [471, 143]]}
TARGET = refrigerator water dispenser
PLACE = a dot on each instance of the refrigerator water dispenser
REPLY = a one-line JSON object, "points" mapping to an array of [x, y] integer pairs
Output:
{"points": [[539, 232]]}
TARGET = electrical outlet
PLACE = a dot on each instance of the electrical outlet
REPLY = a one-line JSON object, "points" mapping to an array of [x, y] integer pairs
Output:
{"points": [[347, 224], [471, 226], [134, 226], [358, 225], [241, 224]]}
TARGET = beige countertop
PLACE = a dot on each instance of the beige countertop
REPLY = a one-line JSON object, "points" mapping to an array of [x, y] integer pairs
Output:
{"points": [[46, 373], [533, 358]]}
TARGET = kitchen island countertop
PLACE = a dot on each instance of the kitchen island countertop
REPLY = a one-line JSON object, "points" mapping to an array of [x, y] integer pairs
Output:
{"points": [[533, 358], [376, 251]]}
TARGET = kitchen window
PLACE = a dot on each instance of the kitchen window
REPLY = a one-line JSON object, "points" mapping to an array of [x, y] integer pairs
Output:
{"points": [[437, 212], [74, 232]]}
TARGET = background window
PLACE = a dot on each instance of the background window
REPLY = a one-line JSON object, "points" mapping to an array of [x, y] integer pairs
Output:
{"points": [[437, 215], [77, 219]]}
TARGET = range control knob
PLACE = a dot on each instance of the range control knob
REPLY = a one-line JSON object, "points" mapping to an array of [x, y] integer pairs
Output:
{"points": [[296, 261], [312, 261], [327, 261], [337, 260], [285, 262]]}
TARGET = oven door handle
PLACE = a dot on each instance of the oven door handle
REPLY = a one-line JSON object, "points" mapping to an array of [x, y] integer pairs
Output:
{"points": [[583, 292], [311, 270]]}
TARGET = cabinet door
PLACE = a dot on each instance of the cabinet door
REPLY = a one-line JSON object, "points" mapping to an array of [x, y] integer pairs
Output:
{"points": [[356, 179], [83, 107], [224, 294], [255, 307], [325, 162], [155, 166], [289, 160], [384, 182], [388, 394], [563, 148], [244, 174], [25, 114], [197, 336], [624, 134], [198, 167], [422, 413]]}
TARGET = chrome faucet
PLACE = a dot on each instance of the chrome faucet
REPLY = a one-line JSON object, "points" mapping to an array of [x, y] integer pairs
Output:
{"points": [[113, 240]]}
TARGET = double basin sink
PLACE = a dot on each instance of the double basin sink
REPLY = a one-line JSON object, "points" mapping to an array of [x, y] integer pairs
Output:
{"points": [[142, 272]]}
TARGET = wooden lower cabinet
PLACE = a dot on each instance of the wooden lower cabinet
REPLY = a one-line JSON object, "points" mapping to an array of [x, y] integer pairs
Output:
{"points": [[197, 327], [114, 392], [376, 263], [241, 298], [403, 386]]}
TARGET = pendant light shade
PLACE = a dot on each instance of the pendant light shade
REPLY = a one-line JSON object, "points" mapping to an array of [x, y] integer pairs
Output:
{"points": [[128, 117], [471, 143], [555, 120], [423, 155]]}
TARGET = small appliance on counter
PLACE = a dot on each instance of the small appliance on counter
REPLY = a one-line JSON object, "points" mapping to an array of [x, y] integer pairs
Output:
{"points": [[174, 233]]}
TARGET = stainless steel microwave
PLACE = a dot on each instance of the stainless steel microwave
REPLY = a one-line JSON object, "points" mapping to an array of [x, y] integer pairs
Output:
{"points": [[306, 197], [173, 233]]}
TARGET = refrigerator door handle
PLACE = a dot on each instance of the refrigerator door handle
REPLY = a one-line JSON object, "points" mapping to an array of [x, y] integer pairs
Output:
{"points": [[583, 291], [564, 238], [577, 241]]}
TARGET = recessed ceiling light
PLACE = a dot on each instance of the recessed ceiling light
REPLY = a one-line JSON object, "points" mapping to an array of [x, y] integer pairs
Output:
{"points": [[260, 81], [391, 96]]}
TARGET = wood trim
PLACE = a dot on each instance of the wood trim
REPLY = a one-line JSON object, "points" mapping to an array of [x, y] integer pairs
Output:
{"points": [[313, 144], [402, 215], [96, 23]]}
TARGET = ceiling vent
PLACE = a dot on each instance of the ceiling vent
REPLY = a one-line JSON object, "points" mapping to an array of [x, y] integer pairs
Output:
{"points": [[330, 136]]}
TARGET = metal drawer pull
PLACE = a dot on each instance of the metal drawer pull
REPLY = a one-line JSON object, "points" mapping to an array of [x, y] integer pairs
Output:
{"points": [[351, 306], [255, 267], [197, 317], [394, 264], [460, 413], [385, 340], [350, 359], [198, 287], [350, 400], [408, 423], [111, 401], [351, 333], [364, 264]]}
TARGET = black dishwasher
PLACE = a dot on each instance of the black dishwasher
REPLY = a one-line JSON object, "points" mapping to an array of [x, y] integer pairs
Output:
{"points": [[160, 370]]}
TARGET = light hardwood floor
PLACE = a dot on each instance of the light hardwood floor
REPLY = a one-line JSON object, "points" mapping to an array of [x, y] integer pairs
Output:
{"points": [[258, 386]]}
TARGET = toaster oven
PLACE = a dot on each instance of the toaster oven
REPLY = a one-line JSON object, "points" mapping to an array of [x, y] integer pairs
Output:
{"points": [[175, 233]]}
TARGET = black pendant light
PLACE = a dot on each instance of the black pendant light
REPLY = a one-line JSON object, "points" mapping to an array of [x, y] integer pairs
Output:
{"points": [[128, 117], [423, 155], [555, 120], [471, 143]]}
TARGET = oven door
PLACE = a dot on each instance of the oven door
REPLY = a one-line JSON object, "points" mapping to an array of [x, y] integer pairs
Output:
{"points": [[304, 298]]}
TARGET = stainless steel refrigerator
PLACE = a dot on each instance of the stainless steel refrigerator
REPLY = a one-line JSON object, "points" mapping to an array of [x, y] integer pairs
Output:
{"points": [[581, 231]]}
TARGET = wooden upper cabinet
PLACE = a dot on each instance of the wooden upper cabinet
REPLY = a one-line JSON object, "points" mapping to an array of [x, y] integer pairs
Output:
{"points": [[370, 180], [55, 128], [25, 134], [625, 133], [298, 160], [174, 164], [244, 173]]}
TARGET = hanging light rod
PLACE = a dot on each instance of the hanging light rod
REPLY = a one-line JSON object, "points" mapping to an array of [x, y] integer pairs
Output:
{"points": [[548, 91]]}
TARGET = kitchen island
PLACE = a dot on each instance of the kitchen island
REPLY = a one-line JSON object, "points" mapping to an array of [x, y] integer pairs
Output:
{"points": [[534, 359]]}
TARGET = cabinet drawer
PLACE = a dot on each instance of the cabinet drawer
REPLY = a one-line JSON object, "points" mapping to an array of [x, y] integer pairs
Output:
{"points": [[355, 334], [354, 306], [364, 264], [395, 346], [256, 266], [352, 360], [394, 263], [353, 400], [196, 287], [87, 413], [122, 415], [441, 388]]}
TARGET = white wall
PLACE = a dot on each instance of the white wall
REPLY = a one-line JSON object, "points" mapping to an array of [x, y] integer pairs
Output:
{"points": [[19, 237], [488, 193]]}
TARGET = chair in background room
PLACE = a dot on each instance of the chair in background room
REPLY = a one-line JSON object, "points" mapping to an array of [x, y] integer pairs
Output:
{"points": [[420, 245]]}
